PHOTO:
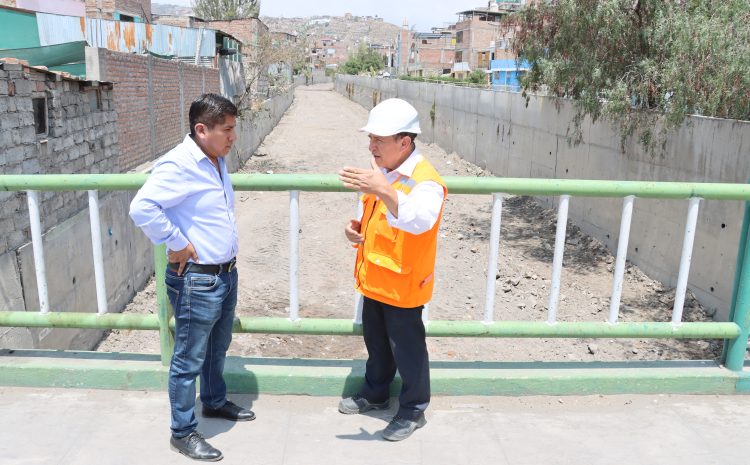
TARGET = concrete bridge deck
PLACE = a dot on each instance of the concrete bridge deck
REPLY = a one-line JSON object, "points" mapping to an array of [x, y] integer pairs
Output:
{"points": [[108, 427]]}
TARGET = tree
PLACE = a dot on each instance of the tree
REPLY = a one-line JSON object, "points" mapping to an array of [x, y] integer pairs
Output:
{"points": [[268, 51], [364, 61], [226, 9], [477, 77], [641, 64]]}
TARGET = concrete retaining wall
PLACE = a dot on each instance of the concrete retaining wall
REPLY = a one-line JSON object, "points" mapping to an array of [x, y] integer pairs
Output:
{"points": [[498, 131], [253, 127], [128, 263]]}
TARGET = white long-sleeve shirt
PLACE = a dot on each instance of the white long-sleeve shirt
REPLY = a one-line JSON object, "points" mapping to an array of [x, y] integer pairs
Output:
{"points": [[419, 209]]}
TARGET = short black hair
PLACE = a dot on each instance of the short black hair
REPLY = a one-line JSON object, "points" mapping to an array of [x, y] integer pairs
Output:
{"points": [[407, 134], [210, 109]]}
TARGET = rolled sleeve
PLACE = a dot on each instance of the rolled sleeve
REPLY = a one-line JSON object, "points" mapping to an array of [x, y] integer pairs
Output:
{"points": [[418, 211], [163, 189]]}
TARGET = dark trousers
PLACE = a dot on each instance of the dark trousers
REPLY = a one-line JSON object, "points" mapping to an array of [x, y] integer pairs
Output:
{"points": [[395, 339]]}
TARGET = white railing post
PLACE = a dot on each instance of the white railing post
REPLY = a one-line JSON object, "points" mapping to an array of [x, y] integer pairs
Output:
{"points": [[294, 255], [622, 254], [489, 297], [32, 198], [96, 245], [685, 258], [557, 260]]}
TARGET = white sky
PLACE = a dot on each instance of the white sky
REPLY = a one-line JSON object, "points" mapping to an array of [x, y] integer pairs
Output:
{"points": [[422, 14]]}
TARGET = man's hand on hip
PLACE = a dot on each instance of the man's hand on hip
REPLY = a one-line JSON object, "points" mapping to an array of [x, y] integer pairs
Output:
{"points": [[182, 257]]}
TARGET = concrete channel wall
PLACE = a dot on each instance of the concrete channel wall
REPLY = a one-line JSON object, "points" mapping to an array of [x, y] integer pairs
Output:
{"points": [[128, 254], [499, 132]]}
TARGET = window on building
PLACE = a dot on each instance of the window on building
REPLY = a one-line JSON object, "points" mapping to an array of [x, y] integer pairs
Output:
{"points": [[424, 41], [127, 18], [459, 57], [95, 99], [482, 59], [40, 114], [459, 37]]}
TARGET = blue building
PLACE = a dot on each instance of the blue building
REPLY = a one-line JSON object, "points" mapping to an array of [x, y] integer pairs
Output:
{"points": [[506, 74]]}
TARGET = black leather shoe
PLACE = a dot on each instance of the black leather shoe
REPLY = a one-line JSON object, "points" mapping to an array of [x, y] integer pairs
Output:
{"points": [[229, 411], [194, 446]]}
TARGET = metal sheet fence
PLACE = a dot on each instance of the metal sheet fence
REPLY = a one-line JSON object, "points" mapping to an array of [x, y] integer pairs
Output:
{"points": [[128, 37]]}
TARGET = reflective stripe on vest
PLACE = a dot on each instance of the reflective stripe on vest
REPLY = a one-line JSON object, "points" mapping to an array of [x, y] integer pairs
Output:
{"points": [[393, 266]]}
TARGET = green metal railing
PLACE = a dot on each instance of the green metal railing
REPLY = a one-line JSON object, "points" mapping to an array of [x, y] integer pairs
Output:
{"points": [[734, 332]]}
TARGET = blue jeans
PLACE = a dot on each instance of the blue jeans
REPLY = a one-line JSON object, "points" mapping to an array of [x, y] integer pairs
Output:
{"points": [[204, 313]]}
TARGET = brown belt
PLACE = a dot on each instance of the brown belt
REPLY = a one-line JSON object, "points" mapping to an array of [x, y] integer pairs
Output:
{"points": [[206, 269]]}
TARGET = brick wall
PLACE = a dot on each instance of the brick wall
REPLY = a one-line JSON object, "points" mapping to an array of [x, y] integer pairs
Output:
{"points": [[81, 138], [435, 56], [140, 8], [250, 32], [179, 21], [246, 30], [100, 8], [152, 97], [105, 8], [476, 37]]}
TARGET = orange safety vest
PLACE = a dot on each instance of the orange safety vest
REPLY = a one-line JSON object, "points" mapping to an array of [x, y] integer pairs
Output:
{"points": [[393, 266]]}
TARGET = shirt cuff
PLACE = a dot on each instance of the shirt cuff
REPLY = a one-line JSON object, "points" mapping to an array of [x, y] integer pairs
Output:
{"points": [[177, 243], [392, 220]]}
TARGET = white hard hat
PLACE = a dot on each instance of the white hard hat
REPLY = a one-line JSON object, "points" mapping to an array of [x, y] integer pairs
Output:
{"points": [[392, 116]]}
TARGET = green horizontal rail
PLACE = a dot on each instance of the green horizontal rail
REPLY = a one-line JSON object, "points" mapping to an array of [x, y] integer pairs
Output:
{"points": [[341, 327], [72, 182], [456, 185], [79, 320]]}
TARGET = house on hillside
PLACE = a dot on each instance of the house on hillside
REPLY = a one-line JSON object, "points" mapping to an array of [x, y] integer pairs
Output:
{"points": [[506, 74]]}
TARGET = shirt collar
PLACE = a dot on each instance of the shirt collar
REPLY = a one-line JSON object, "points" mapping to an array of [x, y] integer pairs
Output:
{"points": [[194, 149], [407, 167]]}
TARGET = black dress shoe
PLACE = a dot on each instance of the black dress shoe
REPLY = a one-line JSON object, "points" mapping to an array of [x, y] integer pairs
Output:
{"points": [[229, 411], [194, 446]]}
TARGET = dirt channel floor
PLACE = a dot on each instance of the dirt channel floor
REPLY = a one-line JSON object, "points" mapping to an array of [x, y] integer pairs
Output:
{"points": [[319, 135]]}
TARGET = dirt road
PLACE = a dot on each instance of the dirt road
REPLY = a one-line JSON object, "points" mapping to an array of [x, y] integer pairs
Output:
{"points": [[319, 135]]}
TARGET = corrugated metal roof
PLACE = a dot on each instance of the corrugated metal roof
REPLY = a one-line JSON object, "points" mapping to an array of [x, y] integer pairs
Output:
{"points": [[56, 29], [126, 37]]}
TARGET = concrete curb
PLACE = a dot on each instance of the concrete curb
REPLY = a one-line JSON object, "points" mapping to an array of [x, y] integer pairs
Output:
{"points": [[98, 370]]}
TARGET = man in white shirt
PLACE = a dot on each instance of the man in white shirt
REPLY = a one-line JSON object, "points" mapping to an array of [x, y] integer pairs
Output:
{"points": [[396, 241], [188, 203]]}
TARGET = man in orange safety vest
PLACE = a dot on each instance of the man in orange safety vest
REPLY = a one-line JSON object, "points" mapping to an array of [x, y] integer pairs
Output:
{"points": [[396, 240]]}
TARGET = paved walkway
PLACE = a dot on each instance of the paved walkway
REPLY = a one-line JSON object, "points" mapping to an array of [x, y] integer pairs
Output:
{"points": [[98, 427]]}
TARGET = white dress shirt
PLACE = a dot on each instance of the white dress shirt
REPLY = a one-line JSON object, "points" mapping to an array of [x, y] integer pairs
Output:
{"points": [[419, 209]]}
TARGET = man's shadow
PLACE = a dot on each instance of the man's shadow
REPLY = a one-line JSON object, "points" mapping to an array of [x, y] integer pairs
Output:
{"points": [[352, 383], [211, 427], [242, 387]]}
